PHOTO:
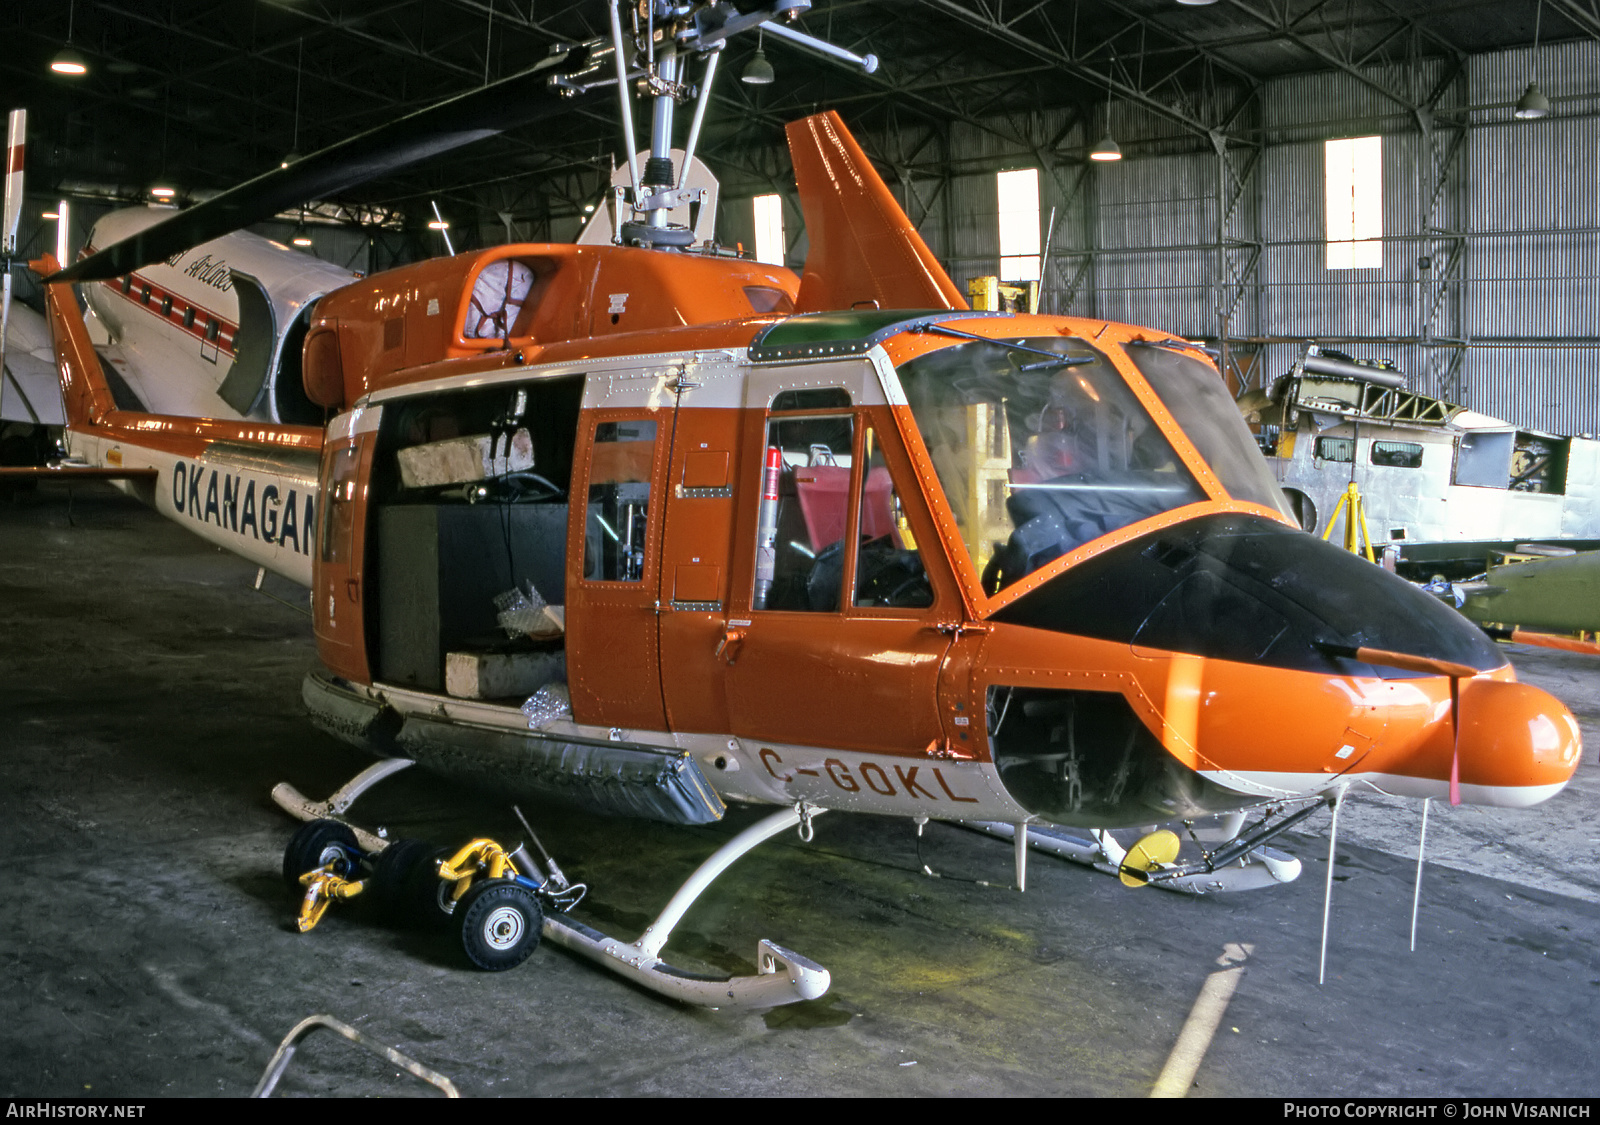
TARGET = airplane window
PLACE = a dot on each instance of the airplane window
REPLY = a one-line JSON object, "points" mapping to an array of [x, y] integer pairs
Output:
{"points": [[127, 284], [144, 294], [889, 570], [1397, 454], [166, 306], [213, 328], [619, 501], [1336, 449], [1196, 395], [1037, 456], [805, 502], [188, 317]]}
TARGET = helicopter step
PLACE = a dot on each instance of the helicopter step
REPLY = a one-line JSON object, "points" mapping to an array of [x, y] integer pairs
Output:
{"points": [[1097, 848], [517, 898]]}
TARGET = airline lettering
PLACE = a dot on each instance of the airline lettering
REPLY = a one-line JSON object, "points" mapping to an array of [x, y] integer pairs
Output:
{"points": [[214, 273], [229, 501], [871, 774]]}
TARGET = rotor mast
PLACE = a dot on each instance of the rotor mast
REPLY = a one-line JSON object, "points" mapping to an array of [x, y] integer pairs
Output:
{"points": [[665, 34]]}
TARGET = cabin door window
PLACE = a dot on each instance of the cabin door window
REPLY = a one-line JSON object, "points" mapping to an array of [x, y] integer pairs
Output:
{"points": [[805, 502], [613, 627], [619, 501]]}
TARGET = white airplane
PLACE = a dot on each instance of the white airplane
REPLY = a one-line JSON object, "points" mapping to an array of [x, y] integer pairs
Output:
{"points": [[214, 331]]}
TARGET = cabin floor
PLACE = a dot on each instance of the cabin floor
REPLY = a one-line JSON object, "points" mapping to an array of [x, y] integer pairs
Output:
{"points": [[149, 700]]}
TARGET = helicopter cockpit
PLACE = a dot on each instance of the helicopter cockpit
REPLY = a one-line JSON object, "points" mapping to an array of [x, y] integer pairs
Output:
{"points": [[1041, 445]]}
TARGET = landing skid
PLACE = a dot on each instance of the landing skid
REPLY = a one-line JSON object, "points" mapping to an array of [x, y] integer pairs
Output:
{"points": [[782, 976], [1097, 848]]}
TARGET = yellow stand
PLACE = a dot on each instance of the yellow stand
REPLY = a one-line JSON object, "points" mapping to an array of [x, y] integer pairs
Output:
{"points": [[1356, 536]]}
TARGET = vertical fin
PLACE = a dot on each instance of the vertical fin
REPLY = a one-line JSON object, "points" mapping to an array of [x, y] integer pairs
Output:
{"points": [[863, 247]]}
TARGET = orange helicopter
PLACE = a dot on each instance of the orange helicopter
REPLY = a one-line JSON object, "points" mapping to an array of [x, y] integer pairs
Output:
{"points": [[651, 528]]}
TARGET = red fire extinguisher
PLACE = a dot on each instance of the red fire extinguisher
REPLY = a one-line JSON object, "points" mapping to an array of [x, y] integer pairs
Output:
{"points": [[767, 527]]}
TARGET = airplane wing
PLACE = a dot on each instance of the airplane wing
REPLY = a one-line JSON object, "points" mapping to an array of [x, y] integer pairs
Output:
{"points": [[864, 249]]}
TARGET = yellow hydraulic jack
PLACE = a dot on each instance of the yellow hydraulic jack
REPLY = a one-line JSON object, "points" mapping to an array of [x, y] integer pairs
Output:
{"points": [[322, 887], [481, 857], [1356, 536]]}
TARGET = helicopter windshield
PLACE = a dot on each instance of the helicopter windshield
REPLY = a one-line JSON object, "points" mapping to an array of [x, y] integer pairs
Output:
{"points": [[1194, 391], [1038, 457]]}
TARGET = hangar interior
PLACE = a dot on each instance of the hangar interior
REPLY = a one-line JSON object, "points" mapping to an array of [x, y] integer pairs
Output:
{"points": [[152, 949], [1213, 224]]}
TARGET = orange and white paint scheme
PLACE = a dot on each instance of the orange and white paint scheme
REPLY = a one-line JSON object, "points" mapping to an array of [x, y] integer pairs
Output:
{"points": [[829, 538]]}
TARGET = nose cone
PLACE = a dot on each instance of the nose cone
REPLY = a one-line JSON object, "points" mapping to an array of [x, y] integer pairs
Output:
{"points": [[1518, 745]]}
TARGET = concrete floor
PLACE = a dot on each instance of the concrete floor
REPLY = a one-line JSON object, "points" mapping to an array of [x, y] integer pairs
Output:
{"points": [[149, 701]]}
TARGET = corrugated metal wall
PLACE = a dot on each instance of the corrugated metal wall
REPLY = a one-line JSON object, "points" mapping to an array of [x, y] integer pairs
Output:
{"points": [[1509, 224]]}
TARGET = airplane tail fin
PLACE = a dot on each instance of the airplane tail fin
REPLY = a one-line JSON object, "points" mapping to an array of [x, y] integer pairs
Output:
{"points": [[864, 249], [85, 393]]}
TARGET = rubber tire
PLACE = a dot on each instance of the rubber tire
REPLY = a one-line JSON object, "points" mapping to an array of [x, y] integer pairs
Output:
{"points": [[500, 924], [391, 870], [317, 843], [424, 898]]}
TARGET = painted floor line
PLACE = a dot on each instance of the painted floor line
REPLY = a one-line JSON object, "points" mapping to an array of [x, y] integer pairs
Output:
{"points": [[1201, 1026]]}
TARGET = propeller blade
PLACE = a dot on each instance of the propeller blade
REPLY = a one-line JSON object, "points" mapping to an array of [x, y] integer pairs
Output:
{"points": [[511, 102]]}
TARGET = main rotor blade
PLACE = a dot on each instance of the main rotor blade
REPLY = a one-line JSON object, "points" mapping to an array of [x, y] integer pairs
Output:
{"points": [[518, 100]]}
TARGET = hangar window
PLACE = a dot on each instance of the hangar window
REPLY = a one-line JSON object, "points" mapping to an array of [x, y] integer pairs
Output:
{"points": [[770, 242], [1018, 194], [1354, 193]]}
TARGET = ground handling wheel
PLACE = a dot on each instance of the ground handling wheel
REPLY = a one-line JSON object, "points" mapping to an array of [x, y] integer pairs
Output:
{"points": [[418, 896], [500, 924], [316, 844]]}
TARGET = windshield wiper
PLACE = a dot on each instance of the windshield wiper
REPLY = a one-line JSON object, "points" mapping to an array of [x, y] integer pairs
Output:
{"points": [[1056, 358]]}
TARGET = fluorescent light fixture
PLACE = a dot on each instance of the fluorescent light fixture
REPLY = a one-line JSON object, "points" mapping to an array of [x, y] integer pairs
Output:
{"points": [[438, 224], [163, 192]]}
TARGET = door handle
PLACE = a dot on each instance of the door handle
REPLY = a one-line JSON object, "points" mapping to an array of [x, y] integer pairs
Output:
{"points": [[729, 647]]}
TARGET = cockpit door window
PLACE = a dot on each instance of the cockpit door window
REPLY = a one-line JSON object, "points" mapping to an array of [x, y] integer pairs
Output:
{"points": [[1038, 456]]}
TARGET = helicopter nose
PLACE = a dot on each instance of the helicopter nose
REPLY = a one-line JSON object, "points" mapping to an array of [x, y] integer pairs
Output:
{"points": [[1518, 745]]}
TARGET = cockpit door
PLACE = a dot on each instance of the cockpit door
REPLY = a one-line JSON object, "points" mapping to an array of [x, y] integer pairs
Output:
{"points": [[840, 601]]}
